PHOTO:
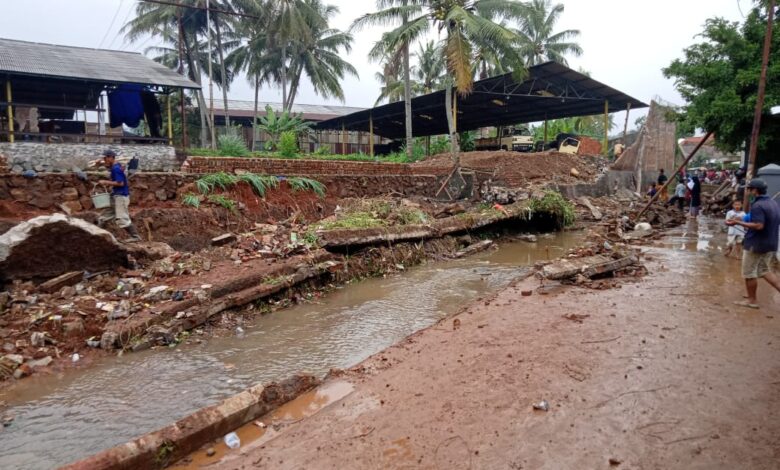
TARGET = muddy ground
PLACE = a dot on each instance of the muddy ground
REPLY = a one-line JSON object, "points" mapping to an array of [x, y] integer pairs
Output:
{"points": [[662, 373]]}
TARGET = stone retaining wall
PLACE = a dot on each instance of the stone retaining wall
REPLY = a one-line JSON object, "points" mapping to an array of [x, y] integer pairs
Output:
{"points": [[45, 157]]}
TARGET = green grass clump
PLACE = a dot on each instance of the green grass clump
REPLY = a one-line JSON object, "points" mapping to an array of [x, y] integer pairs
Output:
{"points": [[259, 183], [288, 144], [191, 200], [221, 180], [306, 184], [555, 205], [232, 145], [411, 217], [354, 220], [223, 201]]}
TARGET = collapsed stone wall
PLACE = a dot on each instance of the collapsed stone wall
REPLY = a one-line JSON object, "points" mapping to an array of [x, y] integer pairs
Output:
{"points": [[53, 157], [654, 149], [49, 190]]}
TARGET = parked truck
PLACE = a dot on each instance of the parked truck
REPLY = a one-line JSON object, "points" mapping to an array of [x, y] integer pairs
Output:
{"points": [[517, 139]]}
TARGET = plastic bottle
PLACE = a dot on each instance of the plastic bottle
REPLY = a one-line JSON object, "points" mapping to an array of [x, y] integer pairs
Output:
{"points": [[232, 440]]}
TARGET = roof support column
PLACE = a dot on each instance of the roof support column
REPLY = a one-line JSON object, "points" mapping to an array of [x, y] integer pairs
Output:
{"points": [[605, 145], [544, 142], [625, 126], [170, 120], [343, 139], [10, 110], [371, 134]]}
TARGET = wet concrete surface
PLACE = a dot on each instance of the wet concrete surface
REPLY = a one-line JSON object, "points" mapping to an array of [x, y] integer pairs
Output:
{"points": [[662, 373], [61, 418]]}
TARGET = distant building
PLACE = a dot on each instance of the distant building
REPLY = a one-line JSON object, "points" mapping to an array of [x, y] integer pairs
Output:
{"points": [[336, 142], [709, 154]]}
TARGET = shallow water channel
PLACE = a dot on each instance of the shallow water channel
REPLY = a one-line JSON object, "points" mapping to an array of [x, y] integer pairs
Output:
{"points": [[61, 418]]}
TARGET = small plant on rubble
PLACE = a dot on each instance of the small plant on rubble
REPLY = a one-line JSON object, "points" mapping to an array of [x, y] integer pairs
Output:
{"points": [[191, 200], [555, 205], [223, 201], [306, 184], [259, 183]]}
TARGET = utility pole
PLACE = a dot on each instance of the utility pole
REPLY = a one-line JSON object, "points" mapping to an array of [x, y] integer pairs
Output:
{"points": [[211, 79], [755, 134], [185, 143]]}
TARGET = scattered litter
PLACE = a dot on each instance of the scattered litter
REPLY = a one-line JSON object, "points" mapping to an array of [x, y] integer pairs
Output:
{"points": [[210, 452], [76, 358], [239, 331], [260, 424], [542, 406], [232, 440]]}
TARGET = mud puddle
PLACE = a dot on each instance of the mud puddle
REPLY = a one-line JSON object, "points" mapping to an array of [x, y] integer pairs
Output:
{"points": [[61, 418]]}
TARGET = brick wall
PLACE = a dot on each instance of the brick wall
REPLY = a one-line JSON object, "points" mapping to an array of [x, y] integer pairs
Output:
{"points": [[290, 167]]}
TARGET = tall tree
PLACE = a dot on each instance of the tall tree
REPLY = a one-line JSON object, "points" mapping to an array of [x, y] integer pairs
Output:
{"points": [[161, 21], [718, 79], [538, 40], [318, 55], [429, 71], [290, 21], [465, 24]]}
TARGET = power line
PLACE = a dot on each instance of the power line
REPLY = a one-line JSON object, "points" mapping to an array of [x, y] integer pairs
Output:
{"points": [[124, 22], [111, 25]]}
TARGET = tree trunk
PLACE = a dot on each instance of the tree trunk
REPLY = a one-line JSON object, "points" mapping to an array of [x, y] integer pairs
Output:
{"points": [[408, 99], [223, 71], [284, 78], [454, 147], [205, 124], [254, 121], [296, 81]]}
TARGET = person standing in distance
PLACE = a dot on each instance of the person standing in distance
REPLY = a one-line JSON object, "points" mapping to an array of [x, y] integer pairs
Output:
{"points": [[120, 197], [760, 242]]}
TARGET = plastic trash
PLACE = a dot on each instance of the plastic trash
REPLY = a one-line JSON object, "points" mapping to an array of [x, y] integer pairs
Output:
{"points": [[542, 406], [75, 357], [232, 440], [239, 331]]}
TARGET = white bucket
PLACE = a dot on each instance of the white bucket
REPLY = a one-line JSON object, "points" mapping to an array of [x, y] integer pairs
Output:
{"points": [[101, 200]]}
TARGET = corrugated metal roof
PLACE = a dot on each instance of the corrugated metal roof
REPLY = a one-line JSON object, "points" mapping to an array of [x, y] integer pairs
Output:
{"points": [[100, 65], [239, 107]]}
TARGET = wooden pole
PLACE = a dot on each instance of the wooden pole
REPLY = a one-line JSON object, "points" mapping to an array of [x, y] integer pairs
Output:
{"points": [[185, 141], [170, 121], [756, 132], [455, 111], [211, 78], [544, 143], [9, 110], [605, 145], [668, 181], [625, 126], [343, 139], [371, 134]]}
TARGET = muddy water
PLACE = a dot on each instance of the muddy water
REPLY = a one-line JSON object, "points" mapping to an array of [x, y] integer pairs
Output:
{"points": [[63, 418]]}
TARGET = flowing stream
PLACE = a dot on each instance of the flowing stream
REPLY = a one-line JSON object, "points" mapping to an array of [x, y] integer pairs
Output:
{"points": [[61, 418]]}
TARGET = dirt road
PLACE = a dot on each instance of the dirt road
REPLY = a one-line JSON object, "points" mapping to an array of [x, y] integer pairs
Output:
{"points": [[663, 373]]}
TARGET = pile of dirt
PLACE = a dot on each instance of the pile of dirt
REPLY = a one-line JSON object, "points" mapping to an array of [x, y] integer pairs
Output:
{"points": [[517, 169]]}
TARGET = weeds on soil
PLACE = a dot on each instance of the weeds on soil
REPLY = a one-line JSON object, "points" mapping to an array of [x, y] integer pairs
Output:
{"points": [[306, 184], [223, 201], [191, 200], [259, 183], [555, 205]]}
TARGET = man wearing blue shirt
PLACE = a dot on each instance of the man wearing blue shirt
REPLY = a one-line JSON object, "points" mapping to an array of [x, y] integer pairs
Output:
{"points": [[120, 197], [760, 243]]}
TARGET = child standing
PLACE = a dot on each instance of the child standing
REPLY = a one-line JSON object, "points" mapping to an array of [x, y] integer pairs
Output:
{"points": [[736, 232]]}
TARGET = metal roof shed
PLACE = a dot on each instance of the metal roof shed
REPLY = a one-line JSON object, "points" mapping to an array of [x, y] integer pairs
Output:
{"points": [[549, 91], [60, 79]]}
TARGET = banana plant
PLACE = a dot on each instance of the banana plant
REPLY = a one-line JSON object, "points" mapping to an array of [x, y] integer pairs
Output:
{"points": [[276, 123]]}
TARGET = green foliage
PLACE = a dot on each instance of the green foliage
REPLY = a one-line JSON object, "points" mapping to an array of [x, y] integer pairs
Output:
{"points": [[466, 139], [411, 217], [210, 182], [232, 144], [354, 220], [288, 144], [306, 184], [191, 200], [276, 124], [223, 201], [554, 204], [718, 78], [259, 183]]}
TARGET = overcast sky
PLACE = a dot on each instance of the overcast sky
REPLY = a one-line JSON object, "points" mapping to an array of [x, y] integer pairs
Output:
{"points": [[625, 42]]}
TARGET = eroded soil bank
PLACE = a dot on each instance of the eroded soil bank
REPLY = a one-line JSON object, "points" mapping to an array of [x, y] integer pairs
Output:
{"points": [[660, 373]]}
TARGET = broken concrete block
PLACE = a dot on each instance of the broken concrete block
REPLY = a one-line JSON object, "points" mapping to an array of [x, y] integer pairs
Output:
{"points": [[588, 266], [40, 362], [109, 340], [50, 245], [224, 239], [70, 194], [67, 279]]}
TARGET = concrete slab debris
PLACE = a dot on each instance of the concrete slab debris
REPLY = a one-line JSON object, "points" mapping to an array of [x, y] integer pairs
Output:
{"points": [[588, 266]]}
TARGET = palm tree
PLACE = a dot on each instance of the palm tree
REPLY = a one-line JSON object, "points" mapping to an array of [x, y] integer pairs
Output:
{"points": [[317, 54], [251, 56], [467, 24], [162, 21], [224, 26], [429, 72], [289, 21], [539, 43]]}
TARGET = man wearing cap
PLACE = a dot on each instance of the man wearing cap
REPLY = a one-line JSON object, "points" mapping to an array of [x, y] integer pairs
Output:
{"points": [[120, 197], [760, 243]]}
